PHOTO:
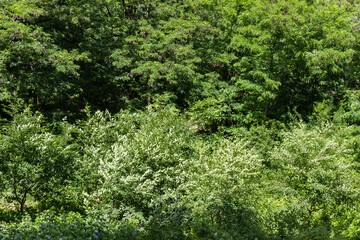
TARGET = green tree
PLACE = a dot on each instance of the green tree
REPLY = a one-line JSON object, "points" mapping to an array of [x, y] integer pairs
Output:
{"points": [[33, 161], [32, 65], [293, 54]]}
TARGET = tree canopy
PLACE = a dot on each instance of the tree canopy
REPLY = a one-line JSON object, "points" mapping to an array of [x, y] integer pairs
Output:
{"points": [[246, 60]]}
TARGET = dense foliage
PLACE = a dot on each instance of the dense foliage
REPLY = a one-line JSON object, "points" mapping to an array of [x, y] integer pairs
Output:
{"points": [[48, 225], [167, 119], [229, 62]]}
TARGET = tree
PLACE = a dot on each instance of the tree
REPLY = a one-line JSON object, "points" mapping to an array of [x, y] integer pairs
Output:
{"points": [[33, 66], [33, 161], [293, 54]]}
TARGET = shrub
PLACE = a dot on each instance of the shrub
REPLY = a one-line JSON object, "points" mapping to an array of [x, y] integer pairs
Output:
{"points": [[132, 161], [49, 225], [316, 176], [224, 181]]}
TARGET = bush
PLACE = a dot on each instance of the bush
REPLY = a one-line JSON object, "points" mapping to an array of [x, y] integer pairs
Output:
{"points": [[132, 161], [315, 176], [222, 189], [49, 225]]}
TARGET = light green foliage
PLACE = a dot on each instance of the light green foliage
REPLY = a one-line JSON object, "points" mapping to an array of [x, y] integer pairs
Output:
{"points": [[153, 171], [139, 161], [209, 113], [316, 170], [137, 165], [350, 112], [223, 183], [33, 160], [195, 131]]}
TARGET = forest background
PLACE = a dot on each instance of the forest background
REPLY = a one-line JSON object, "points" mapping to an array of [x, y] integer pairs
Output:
{"points": [[179, 119]]}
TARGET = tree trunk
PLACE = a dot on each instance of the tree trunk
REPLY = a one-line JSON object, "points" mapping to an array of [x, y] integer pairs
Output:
{"points": [[148, 83]]}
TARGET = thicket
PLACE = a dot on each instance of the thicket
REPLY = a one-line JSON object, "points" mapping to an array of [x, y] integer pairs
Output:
{"points": [[166, 119], [154, 174]]}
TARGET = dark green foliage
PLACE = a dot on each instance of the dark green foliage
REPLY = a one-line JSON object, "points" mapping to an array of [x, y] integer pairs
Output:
{"points": [[229, 62], [49, 225], [32, 66], [172, 220]]}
